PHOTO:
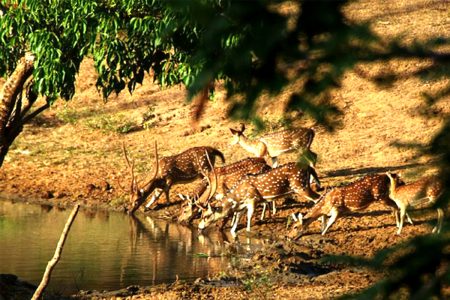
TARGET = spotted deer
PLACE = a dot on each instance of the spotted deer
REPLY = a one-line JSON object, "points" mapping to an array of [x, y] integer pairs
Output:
{"points": [[422, 192], [227, 176], [253, 190], [354, 196], [181, 168], [276, 143]]}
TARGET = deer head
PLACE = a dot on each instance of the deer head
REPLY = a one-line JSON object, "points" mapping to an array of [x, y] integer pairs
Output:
{"points": [[237, 134], [188, 209], [138, 194], [209, 216], [208, 212]]}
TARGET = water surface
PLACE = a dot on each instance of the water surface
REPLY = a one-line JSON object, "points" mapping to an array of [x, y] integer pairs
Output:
{"points": [[106, 250]]}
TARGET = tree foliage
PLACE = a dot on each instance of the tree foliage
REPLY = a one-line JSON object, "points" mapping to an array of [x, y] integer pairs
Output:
{"points": [[254, 46]]}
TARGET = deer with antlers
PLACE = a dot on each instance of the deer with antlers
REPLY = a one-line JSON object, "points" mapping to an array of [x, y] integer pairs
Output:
{"points": [[225, 177], [422, 192], [252, 190], [181, 168], [354, 196], [276, 143]]}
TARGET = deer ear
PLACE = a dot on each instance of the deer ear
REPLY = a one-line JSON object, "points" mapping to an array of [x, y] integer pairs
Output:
{"points": [[233, 131]]}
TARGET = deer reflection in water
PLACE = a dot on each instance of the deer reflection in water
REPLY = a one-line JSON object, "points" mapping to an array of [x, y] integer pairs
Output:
{"points": [[175, 248], [180, 249], [106, 250]]}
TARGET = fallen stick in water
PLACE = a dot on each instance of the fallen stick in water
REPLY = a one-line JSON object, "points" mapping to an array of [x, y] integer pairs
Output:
{"points": [[52, 263]]}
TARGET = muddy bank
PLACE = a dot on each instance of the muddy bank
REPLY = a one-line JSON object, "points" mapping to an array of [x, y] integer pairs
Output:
{"points": [[283, 268], [280, 267], [279, 271]]}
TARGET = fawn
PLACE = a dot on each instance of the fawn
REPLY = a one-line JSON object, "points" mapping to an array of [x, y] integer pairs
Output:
{"points": [[423, 191]]}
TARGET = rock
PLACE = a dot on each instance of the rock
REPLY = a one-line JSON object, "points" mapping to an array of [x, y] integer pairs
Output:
{"points": [[48, 195], [13, 288]]}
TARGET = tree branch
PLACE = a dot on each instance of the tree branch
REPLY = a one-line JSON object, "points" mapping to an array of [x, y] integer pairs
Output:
{"points": [[35, 113], [52, 263]]}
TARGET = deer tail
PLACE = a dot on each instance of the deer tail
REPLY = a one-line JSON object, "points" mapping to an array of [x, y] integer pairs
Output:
{"points": [[216, 152], [313, 173], [311, 138]]}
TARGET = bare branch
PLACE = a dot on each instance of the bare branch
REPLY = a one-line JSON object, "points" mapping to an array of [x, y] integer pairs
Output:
{"points": [[52, 263], [28, 118]]}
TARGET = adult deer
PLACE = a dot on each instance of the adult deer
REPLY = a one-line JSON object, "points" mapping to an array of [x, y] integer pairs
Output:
{"points": [[422, 192], [252, 190], [181, 168], [277, 143], [226, 177], [354, 196]]}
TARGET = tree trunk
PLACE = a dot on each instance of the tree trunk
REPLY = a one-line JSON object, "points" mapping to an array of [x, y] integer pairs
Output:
{"points": [[4, 147], [12, 88], [12, 117]]}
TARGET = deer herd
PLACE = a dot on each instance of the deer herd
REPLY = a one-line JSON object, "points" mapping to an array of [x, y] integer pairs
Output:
{"points": [[225, 193]]}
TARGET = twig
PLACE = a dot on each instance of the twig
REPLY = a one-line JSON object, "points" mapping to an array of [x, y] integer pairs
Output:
{"points": [[52, 263]]}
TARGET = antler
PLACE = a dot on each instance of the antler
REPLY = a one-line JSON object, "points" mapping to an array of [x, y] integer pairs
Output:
{"points": [[242, 127], [134, 185], [212, 184], [156, 165]]}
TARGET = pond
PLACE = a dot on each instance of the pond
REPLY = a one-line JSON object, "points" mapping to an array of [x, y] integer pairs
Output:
{"points": [[107, 250]]}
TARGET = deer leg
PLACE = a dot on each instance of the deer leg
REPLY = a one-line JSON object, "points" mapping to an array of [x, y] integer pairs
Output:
{"points": [[396, 213], [402, 218], [396, 206], [408, 218], [440, 219], [235, 224], [233, 219], [263, 214], [250, 210], [265, 204], [154, 197], [166, 191], [274, 208], [333, 216], [322, 222]]}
